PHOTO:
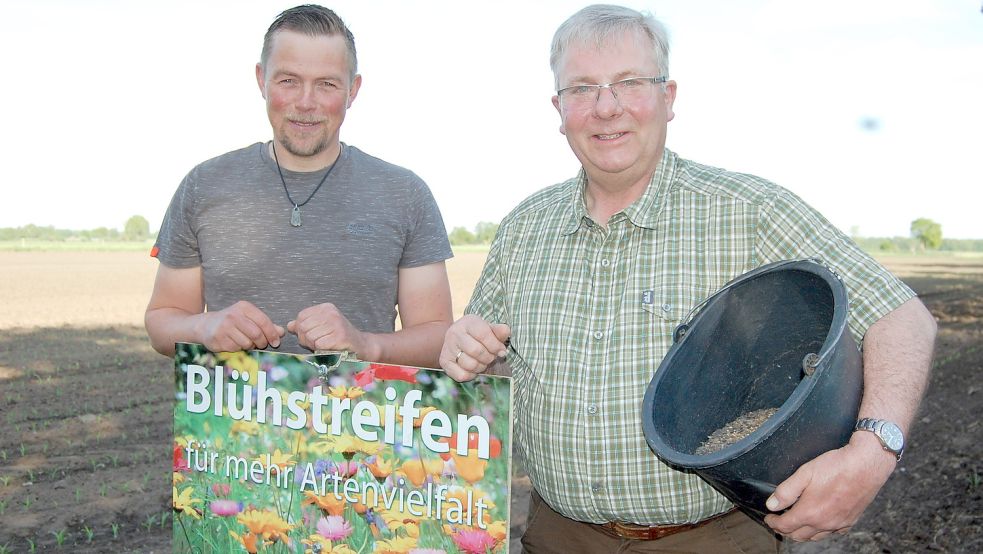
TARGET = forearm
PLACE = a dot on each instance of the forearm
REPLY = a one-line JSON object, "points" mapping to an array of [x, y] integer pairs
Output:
{"points": [[418, 345], [166, 326], [897, 354]]}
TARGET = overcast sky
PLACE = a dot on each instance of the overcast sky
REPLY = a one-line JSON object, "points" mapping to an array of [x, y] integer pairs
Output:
{"points": [[872, 111]]}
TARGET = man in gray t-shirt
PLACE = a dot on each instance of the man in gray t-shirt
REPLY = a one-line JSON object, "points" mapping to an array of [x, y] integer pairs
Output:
{"points": [[303, 243]]}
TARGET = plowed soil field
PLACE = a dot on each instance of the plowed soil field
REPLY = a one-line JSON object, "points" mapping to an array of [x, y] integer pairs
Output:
{"points": [[85, 412]]}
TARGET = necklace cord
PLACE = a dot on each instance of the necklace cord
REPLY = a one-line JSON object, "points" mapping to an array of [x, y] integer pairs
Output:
{"points": [[317, 188]]}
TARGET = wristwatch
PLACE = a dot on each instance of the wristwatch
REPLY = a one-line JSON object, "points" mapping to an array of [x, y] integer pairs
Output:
{"points": [[890, 435]]}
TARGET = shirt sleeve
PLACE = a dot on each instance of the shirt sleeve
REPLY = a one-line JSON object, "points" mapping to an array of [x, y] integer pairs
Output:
{"points": [[177, 242], [791, 229], [488, 301], [427, 242]]}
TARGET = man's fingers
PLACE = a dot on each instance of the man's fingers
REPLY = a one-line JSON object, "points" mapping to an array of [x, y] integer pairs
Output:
{"points": [[235, 340], [788, 491], [264, 332], [254, 324], [502, 331], [471, 345]]}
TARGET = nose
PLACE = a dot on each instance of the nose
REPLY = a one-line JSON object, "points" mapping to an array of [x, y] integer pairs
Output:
{"points": [[305, 99], [607, 103]]}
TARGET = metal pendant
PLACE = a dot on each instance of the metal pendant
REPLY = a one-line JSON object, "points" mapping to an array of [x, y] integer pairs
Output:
{"points": [[295, 216]]}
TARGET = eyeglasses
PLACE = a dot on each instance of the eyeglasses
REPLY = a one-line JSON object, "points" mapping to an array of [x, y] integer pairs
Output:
{"points": [[626, 91]]}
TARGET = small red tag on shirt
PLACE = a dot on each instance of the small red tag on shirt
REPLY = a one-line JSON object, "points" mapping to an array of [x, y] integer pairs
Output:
{"points": [[154, 251]]}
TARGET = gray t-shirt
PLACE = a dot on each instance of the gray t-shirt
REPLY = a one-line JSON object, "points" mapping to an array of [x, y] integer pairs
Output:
{"points": [[230, 215]]}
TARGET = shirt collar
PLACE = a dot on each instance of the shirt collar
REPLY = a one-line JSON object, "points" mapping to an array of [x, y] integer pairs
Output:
{"points": [[643, 212]]}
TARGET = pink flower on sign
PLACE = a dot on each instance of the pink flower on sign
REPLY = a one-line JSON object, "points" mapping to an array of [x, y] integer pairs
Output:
{"points": [[225, 508], [221, 489], [334, 528], [473, 541], [347, 468]]}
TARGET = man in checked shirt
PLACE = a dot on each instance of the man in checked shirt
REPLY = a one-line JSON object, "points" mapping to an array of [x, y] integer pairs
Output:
{"points": [[588, 278]]}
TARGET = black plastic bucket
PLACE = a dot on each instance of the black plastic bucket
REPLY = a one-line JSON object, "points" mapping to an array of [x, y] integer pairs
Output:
{"points": [[776, 337]]}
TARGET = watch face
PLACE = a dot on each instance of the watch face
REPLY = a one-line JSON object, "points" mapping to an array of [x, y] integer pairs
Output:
{"points": [[892, 436]]}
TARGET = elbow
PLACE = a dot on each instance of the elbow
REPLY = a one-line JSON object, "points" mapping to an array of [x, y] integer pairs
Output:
{"points": [[928, 325], [157, 341]]}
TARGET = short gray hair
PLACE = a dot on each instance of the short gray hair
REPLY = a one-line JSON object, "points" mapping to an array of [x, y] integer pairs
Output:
{"points": [[599, 22], [314, 21]]}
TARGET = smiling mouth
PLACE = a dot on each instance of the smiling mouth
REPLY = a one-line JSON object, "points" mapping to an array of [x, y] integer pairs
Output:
{"points": [[302, 123], [610, 137]]}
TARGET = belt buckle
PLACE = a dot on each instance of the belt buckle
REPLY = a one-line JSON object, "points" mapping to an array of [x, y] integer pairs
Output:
{"points": [[639, 532]]}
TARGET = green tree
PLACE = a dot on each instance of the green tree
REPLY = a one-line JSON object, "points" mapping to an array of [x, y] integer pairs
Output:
{"points": [[136, 228], [460, 235], [927, 232], [485, 231]]}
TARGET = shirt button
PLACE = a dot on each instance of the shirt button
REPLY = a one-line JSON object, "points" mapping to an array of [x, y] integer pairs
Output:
{"points": [[666, 307], [605, 263], [592, 409], [596, 488], [598, 335]]}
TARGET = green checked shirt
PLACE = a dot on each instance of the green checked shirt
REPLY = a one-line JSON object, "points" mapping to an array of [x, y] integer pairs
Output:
{"points": [[593, 309]]}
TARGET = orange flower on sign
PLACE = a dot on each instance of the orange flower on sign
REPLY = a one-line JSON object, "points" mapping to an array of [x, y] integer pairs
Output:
{"points": [[461, 495], [266, 524], [417, 470], [249, 541], [471, 468], [494, 445], [417, 421], [380, 468], [497, 530], [327, 503]]}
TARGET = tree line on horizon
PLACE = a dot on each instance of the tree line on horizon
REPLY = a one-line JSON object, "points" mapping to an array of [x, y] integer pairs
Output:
{"points": [[925, 235], [136, 228]]}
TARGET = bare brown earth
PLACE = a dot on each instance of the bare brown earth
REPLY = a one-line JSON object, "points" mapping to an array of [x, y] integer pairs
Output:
{"points": [[85, 424]]}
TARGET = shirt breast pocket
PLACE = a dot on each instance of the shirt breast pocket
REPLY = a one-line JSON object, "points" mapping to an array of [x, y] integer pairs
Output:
{"points": [[669, 306]]}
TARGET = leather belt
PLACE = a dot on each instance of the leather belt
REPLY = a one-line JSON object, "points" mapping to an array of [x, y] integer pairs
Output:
{"points": [[630, 531]]}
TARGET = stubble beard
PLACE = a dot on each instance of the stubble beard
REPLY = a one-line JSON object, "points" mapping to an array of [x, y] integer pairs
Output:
{"points": [[304, 150]]}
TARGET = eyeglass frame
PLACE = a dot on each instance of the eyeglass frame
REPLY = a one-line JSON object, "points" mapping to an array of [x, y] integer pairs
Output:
{"points": [[661, 79]]}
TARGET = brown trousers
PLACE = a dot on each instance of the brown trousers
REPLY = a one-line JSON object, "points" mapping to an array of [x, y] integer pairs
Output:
{"points": [[548, 532]]}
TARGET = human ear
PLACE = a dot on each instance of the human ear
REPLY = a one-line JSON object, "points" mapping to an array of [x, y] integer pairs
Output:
{"points": [[556, 104], [353, 91], [261, 80], [670, 94]]}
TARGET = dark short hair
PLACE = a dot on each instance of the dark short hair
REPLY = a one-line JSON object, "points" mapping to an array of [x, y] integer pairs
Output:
{"points": [[312, 20]]}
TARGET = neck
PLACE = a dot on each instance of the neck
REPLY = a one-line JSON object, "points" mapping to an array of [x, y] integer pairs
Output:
{"points": [[305, 164], [608, 193], [606, 197]]}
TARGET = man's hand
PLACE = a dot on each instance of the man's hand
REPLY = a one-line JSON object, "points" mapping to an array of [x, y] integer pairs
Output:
{"points": [[241, 326], [828, 494], [471, 345], [176, 313], [324, 327]]}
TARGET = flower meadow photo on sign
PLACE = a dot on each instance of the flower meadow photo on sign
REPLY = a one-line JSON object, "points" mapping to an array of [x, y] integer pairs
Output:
{"points": [[317, 454]]}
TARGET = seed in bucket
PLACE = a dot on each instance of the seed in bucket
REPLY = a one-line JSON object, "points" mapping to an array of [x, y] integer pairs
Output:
{"points": [[735, 431]]}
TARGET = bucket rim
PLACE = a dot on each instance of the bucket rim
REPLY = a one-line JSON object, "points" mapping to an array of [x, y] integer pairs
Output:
{"points": [[794, 401]]}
